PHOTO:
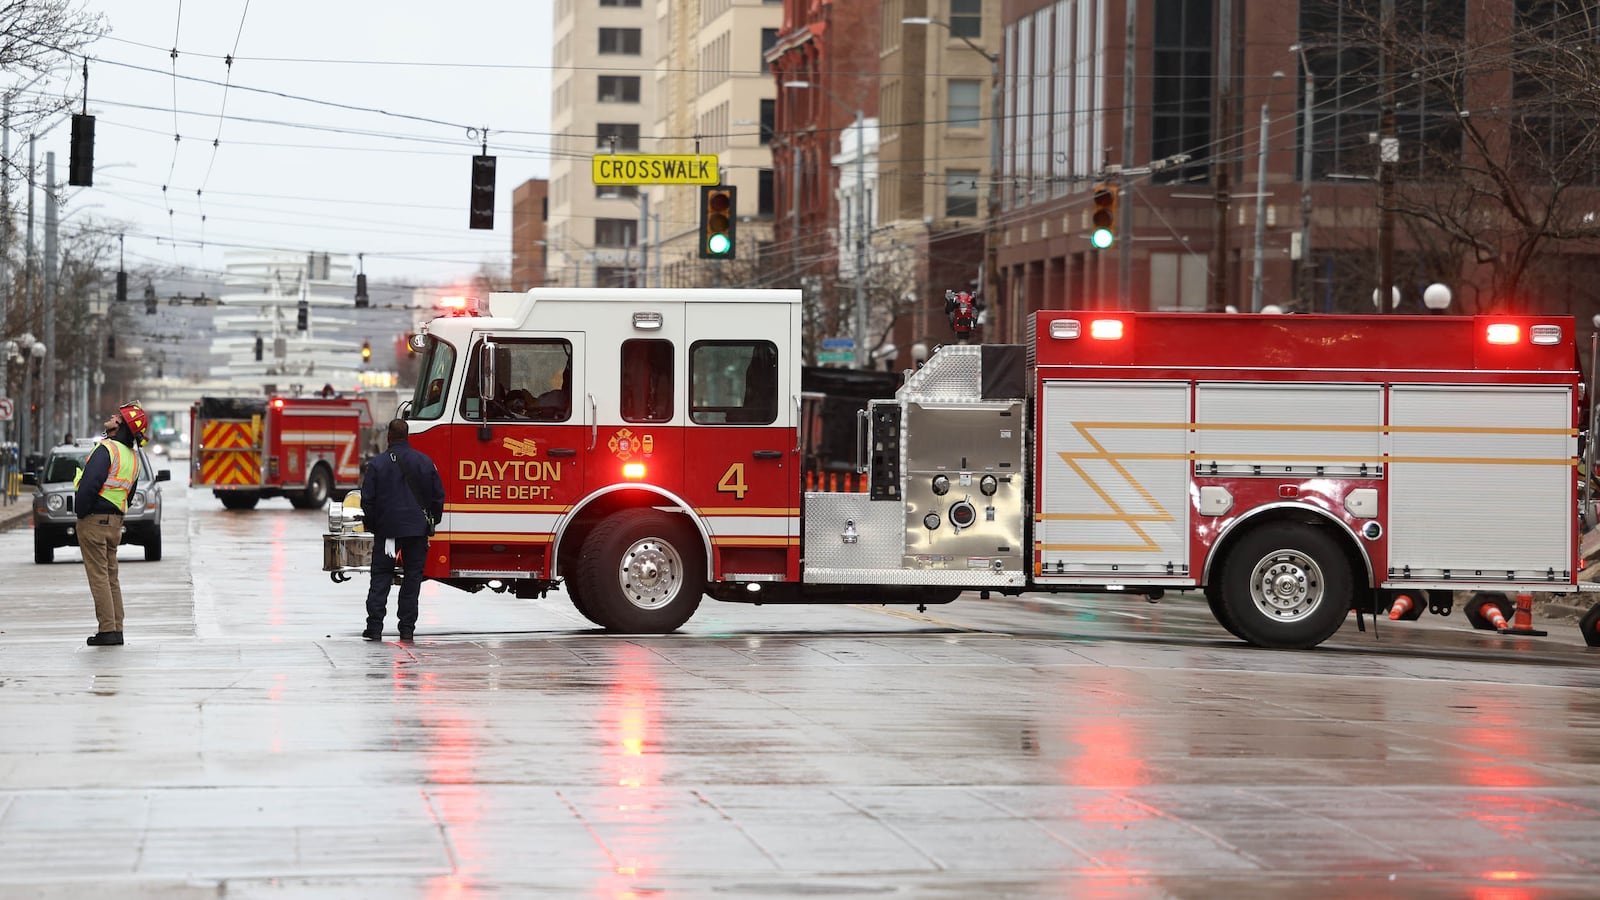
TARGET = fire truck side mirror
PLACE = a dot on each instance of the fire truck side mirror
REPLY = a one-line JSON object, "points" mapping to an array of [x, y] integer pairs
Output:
{"points": [[486, 370]]}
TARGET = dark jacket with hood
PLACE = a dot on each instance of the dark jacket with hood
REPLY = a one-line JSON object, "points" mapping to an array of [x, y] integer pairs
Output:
{"points": [[86, 500], [389, 507]]}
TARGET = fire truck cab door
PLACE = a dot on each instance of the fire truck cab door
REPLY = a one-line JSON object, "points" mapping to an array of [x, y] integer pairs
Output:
{"points": [[740, 462], [520, 468]]}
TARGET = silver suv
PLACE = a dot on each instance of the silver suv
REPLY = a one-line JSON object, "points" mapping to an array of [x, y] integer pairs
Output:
{"points": [[56, 525]]}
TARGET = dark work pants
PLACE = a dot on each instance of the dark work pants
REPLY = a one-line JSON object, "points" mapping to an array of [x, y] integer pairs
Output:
{"points": [[413, 553]]}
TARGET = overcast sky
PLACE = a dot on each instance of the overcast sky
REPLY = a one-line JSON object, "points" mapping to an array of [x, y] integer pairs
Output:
{"points": [[319, 168]]}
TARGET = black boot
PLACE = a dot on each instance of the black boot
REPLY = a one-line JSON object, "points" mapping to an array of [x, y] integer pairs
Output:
{"points": [[105, 639], [373, 632]]}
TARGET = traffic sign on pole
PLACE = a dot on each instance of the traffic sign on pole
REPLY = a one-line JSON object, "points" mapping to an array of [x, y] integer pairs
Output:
{"points": [[5, 409], [839, 343], [836, 356]]}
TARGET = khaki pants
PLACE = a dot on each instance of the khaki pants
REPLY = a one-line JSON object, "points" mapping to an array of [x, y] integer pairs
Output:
{"points": [[98, 537]]}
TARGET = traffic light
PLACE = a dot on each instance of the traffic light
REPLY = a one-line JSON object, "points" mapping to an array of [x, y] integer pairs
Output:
{"points": [[302, 317], [1104, 217], [361, 291], [80, 168], [259, 347], [122, 287], [111, 346], [480, 203], [718, 221], [149, 300], [366, 352]]}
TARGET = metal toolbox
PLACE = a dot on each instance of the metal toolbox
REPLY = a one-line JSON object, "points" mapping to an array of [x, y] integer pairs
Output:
{"points": [[344, 551]]}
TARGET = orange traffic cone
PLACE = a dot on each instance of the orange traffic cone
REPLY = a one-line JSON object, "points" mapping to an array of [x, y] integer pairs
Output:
{"points": [[1403, 603], [1491, 613], [1522, 618]]}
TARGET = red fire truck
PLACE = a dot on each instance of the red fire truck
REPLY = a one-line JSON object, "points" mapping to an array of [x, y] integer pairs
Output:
{"points": [[640, 447], [303, 448]]}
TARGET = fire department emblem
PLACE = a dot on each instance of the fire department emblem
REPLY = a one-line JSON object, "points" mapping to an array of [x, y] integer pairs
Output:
{"points": [[520, 447], [624, 444]]}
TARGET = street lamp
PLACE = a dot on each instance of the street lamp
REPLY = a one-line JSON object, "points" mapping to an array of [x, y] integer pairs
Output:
{"points": [[862, 353], [991, 269]]}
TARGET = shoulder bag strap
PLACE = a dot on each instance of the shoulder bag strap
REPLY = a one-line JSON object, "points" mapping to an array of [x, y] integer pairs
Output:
{"points": [[415, 494]]}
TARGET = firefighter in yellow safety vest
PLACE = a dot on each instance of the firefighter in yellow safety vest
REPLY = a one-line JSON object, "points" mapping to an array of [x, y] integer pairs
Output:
{"points": [[101, 497]]}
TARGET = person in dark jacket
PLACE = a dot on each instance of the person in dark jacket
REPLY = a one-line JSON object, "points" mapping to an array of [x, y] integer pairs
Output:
{"points": [[401, 498], [100, 497]]}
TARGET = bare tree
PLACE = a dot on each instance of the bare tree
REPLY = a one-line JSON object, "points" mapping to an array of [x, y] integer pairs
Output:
{"points": [[1499, 121]]}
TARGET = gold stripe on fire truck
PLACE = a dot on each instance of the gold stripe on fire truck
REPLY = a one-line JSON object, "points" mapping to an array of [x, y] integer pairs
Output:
{"points": [[1323, 457], [507, 508], [1393, 429], [496, 537], [754, 541], [746, 511]]}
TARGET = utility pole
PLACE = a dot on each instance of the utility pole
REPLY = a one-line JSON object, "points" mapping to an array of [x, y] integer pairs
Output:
{"points": [[52, 281], [1388, 157], [1308, 269], [5, 227], [862, 358], [1124, 196], [1222, 150], [1261, 213], [643, 280]]}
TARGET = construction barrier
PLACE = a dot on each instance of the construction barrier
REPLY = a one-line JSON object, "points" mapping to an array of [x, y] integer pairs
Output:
{"points": [[836, 482], [1522, 620]]}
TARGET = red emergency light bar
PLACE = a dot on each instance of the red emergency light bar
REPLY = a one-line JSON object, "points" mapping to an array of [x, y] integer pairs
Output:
{"points": [[458, 306], [1504, 333]]}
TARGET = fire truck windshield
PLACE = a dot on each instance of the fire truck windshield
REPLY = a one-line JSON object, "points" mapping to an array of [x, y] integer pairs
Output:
{"points": [[433, 385]]}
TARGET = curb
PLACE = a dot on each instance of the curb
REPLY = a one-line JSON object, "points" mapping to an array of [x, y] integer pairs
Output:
{"points": [[16, 514]]}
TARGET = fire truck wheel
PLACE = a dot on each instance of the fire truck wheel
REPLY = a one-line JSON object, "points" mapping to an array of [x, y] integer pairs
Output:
{"points": [[641, 571], [317, 490], [1287, 586], [578, 603], [1220, 610], [239, 500]]}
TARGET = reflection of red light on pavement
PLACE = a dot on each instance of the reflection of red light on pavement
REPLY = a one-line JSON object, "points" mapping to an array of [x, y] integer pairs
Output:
{"points": [[627, 730], [450, 742], [1502, 893]]}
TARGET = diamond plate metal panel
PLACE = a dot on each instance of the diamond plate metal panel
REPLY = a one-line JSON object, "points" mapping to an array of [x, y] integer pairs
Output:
{"points": [[880, 533], [954, 372]]}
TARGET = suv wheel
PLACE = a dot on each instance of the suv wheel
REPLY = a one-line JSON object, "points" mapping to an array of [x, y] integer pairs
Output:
{"points": [[44, 552], [152, 546]]}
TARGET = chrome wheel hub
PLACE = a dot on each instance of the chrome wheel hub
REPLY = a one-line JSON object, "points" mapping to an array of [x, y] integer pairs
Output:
{"points": [[651, 574], [1287, 585]]}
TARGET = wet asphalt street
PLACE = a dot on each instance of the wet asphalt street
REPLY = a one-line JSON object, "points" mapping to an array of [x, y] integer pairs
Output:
{"points": [[247, 743]]}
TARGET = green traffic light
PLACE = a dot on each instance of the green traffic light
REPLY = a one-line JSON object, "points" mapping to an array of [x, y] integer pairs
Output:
{"points": [[718, 244], [1101, 238]]}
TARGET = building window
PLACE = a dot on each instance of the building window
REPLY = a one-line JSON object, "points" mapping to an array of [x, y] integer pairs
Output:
{"points": [[1180, 119], [610, 276], [625, 135], [619, 89], [1344, 62], [619, 41], [631, 4], [614, 232], [1178, 282], [966, 18], [769, 39], [768, 117], [616, 191], [764, 198], [965, 107], [961, 193]]}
